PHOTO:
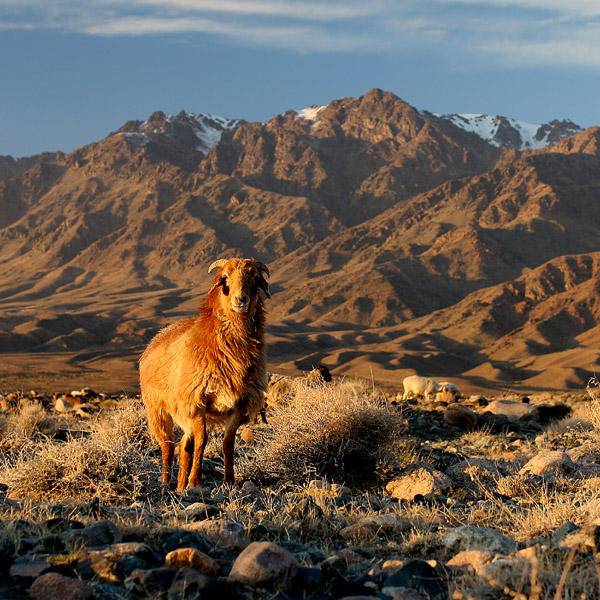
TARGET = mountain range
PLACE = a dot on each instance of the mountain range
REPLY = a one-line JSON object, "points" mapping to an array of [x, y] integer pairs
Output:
{"points": [[462, 247]]}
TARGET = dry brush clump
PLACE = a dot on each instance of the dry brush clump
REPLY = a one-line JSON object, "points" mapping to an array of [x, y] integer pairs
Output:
{"points": [[29, 421], [103, 457], [593, 392], [345, 430]]}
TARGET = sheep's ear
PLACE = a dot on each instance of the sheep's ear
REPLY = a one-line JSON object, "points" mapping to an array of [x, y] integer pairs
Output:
{"points": [[264, 286], [216, 283], [262, 268]]}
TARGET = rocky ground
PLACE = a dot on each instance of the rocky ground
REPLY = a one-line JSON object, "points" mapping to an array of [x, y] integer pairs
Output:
{"points": [[485, 498]]}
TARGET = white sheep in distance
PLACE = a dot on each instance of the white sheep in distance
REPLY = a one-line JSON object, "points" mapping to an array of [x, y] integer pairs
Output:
{"points": [[415, 385], [209, 370], [449, 388]]}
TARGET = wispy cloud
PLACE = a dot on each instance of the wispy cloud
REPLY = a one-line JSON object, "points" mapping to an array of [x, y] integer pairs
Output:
{"points": [[506, 32]]}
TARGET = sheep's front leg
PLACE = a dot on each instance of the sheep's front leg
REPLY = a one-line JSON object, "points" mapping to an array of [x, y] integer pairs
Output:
{"points": [[186, 450], [200, 438]]}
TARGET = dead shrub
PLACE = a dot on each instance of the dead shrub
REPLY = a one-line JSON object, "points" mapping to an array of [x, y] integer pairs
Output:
{"points": [[593, 392], [107, 459], [81, 468], [343, 430], [30, 421]]}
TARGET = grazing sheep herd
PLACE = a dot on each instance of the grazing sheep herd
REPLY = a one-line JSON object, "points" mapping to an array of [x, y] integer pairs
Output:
{"points": [[211, 370]]}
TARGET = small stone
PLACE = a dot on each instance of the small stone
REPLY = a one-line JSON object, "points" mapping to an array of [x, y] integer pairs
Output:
{"points": [[249, 488], [461, 416], [402, 593], [320, 489], [549, 460], [469, 537], [151, 582], [191, 557], [470, 559], [61, 405], [198, 511], [186, 539], [514, 411], [503, 569], [419, 478], [223, 534], [392, 566], [193, 585], [98, 533], [53, 586], [471, 474], [264, 564], [421, 576], [25, 570], [586, 539]]}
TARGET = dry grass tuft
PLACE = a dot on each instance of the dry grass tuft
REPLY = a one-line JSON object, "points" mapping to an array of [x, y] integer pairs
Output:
{"points": [[344, 430], [593, 392], [29, 422], [108, 459]]}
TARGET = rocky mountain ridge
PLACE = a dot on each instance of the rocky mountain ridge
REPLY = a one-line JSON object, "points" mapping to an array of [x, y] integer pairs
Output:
{"points": [[376, 223]]}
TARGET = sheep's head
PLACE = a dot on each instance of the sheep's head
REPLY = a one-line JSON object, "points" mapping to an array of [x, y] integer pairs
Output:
{"points": [[240, 280]]}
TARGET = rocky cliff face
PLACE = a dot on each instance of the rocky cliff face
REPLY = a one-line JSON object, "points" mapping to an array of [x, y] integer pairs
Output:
{"points": [[381, 226]]}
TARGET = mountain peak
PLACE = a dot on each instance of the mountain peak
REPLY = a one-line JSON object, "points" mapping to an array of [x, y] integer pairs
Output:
{"points": [[505, 132], [202, 131]]}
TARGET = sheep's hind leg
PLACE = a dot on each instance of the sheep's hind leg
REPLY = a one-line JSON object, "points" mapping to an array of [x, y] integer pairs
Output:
{"points": [[231, 427], [162, 428]]}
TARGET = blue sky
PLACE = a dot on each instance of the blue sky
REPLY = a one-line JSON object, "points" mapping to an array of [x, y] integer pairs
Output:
{"points": [[72, 71]]}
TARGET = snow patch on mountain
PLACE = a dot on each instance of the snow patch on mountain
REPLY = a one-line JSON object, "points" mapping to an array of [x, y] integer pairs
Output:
{"points": [[202, 130], [310, 114], [510, 133]]}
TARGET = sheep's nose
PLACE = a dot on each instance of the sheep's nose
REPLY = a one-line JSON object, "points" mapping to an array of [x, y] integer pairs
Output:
{"points": [[240, 301]]}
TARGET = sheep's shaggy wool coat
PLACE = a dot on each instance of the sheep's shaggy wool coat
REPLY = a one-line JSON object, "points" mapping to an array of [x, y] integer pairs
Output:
{"points": [[209, 370]]}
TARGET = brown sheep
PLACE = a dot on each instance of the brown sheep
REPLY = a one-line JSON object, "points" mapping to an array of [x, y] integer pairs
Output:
{"points": [[208, 370]]}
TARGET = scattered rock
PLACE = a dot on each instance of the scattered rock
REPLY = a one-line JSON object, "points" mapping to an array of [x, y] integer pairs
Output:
{"points": [[25, 569], [61, 405], [470, 537], [98, 533], [320, 489], [53, 586], [420, 575], [461, 416], [586, 539], [474, 473], [224, 535], [247, 436], [264, 564], [191, 557], [549, 460], [189, 583], [150, 582], [418, 478], [470, 559], [515, 411]]}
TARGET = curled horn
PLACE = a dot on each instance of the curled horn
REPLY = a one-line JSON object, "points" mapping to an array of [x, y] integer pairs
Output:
{"points": [[217, 264]]}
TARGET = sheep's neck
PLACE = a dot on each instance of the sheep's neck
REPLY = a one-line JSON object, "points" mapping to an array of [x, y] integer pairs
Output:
{"points": [[236, 346]]}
